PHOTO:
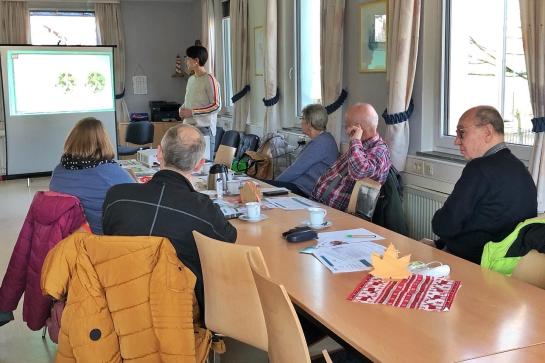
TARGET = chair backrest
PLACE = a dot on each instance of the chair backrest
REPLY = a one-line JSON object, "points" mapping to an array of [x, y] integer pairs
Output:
{"points": [[286, 339], [364, 198], [139, 133], [230, 138], [219, 134], [248, 142], [531, 269], [232, 303], [225, 155]]}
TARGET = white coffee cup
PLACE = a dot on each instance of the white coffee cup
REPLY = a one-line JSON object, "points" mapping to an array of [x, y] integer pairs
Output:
{"points": [[206, 168], [233, 187], [316, 216], [253, 210]]}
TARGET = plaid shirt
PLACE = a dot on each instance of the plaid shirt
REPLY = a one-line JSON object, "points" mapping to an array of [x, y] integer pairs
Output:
{"points": [[367, 159]]}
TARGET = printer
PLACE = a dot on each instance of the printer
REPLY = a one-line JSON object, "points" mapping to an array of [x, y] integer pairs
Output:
{"points": [[164, 111]]}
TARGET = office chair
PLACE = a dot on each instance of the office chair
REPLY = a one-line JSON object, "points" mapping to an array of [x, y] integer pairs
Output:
{"points": [[219, 134], [248, 142], [139, 133], [230, 138]]}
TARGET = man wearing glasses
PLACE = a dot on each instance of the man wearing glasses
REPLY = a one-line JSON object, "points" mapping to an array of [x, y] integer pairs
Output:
{"points": [[494, 193]]}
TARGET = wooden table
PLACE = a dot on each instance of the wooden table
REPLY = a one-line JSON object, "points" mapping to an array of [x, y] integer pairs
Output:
{"points": [[532, 354], [491, 313]]}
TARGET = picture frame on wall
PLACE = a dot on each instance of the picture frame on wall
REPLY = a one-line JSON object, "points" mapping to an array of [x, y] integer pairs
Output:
{"points": [[259, 50], [373, 36]]}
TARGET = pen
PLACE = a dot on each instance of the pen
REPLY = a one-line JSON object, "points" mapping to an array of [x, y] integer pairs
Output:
{"points": [[361, 235]]}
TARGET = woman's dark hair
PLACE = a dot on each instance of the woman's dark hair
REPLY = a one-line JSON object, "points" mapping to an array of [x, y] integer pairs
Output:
{"points": [[199, 52]]}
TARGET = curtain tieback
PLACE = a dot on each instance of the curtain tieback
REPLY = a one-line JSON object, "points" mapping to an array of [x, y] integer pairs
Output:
{"points": [[337, 103], [272, 101], [120, 95], [397, 118], [241, 94], [538, 124]]}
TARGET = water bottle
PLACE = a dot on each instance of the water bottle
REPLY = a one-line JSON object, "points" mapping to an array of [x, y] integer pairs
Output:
{"points": [[219, 188]]}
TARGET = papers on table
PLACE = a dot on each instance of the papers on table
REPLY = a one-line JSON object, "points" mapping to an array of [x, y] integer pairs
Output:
{"points": [[348, 250], [290, 203], [140, 172]]}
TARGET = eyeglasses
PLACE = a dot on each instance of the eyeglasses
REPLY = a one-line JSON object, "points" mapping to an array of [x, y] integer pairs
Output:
{"points": [[460, 132]]}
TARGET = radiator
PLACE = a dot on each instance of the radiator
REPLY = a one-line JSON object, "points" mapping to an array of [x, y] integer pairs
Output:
{"points": [[420, 205]]}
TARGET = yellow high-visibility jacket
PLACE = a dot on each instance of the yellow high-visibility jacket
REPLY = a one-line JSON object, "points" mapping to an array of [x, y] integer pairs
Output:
{"points": [[129, 299]]}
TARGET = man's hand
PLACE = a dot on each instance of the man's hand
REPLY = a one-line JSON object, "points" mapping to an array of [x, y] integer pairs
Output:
{"points": [[185, 112], [354, 132]]}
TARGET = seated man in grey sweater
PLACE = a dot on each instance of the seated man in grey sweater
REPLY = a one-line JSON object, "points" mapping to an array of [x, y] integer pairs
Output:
{"points": [[317, 156]]}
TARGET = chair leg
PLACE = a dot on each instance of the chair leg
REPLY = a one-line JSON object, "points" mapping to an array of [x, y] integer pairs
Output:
{"points": [[44, 330]]}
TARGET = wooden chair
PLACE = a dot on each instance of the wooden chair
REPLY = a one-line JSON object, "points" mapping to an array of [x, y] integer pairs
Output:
{"points": [[232, 305], [364, 197], [225, 155], [531, 269], [286, 339]]}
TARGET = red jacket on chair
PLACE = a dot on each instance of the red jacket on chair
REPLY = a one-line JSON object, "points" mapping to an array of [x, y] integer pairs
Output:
{"points": [[51, 217]]}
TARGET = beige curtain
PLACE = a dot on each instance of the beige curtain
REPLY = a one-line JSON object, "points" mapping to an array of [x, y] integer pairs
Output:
{"points": [[403, 27], [14, 29], [240, 62], [110, 32], [209, 34], [532, 14], [272, 122], [331, 53]]}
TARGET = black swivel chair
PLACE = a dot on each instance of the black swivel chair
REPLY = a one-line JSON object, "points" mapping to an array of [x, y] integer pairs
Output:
{"points": [[139, 133], [219, 134], [248, 142], [231, 138]]}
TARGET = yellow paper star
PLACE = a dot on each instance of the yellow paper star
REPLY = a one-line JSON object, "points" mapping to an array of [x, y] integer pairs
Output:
{"points": [[390, 266]]}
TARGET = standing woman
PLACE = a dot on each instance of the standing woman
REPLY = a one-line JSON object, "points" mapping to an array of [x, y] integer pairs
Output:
{"points": [[202, 94], [88, 169]]}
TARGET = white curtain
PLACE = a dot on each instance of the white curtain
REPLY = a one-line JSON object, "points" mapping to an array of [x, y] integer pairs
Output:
{"points": [[532, 14], [403, 28], [14, 29], [110, 32], [272, 122], [240, 62], [331, 53], [208, 39]]}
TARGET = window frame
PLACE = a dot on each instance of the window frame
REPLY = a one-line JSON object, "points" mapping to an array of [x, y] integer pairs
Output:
{"points": [[442, 141], [66, 8], [227, 93]]}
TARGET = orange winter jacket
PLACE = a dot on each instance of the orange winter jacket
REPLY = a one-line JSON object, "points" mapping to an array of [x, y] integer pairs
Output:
{"points": [[129, 299]]}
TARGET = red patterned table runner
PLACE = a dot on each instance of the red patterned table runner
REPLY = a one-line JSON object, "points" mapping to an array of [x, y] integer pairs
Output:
{"points": [[416, 292]]}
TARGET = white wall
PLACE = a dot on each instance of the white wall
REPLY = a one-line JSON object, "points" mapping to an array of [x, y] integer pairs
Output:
{"points": [[155, 32]]}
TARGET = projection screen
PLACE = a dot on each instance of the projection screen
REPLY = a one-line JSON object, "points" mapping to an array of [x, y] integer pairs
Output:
{"points": [[46, 90]]}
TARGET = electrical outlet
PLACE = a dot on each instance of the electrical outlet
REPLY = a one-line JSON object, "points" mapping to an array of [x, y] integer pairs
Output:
{"points": [[428, 169], [418, 167]]}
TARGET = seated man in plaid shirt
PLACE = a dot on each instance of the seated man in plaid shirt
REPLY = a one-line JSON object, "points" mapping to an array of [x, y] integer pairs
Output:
{"points": [[367, 157]]}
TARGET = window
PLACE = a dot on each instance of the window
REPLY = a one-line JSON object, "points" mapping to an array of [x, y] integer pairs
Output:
{"points": [[63, 27], [485, 65], [227, 79], [309, 88]]}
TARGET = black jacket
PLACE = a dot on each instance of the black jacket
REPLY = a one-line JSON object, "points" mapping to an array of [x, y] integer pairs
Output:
{"points": [[167, 206], [492, 196]]}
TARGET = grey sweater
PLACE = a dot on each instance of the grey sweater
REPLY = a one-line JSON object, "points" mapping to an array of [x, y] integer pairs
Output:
{"points": [[317, 156]]}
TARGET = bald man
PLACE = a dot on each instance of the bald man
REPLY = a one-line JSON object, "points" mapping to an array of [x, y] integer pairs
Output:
{"points": [[367, 157], [168, 205], [494, 193]]}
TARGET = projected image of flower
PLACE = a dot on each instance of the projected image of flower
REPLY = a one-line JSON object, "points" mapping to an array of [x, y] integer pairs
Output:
{"points": [[96, 81], [66, 81]]}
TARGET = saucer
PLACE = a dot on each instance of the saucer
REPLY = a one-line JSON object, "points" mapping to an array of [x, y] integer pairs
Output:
{"points": [[321, 226], [262, 217]]}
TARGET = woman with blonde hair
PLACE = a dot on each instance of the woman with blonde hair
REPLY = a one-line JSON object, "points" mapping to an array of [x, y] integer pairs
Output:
{"points": [[88, 169]]}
